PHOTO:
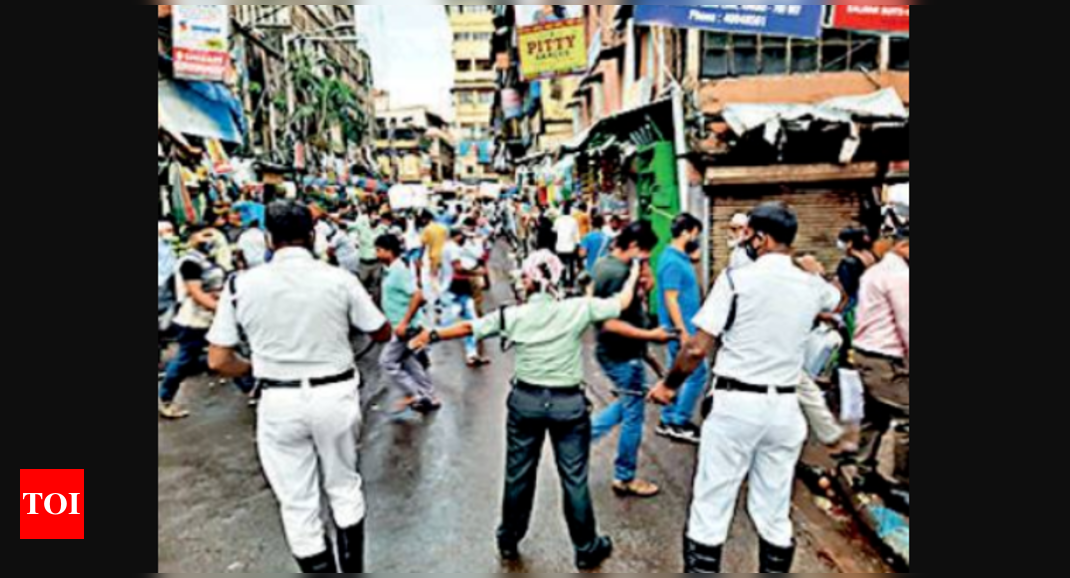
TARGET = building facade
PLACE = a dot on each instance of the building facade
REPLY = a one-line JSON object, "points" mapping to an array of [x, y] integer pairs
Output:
{"points": [[473, 89], [658, 122], [414, 146], [288, 53]]}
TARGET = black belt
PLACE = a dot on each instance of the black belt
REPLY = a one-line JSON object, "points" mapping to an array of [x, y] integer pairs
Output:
{"points": [[891, 358], [724, 384], [538, 389], [369, 261], [341, 377]]}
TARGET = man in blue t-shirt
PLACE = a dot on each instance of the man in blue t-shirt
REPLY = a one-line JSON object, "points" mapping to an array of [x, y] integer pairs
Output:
{"points": [[679, 301], [596, 244]]}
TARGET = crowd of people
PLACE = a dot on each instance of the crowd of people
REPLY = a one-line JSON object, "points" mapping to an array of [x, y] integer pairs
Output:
{"points": [[273, 304]]}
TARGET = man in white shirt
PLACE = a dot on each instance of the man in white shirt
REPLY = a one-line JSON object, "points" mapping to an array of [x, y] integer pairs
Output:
{"points": [[296, 314], [762, 315], [460, 269], [333, 243], [568, 240], [253, 246]]}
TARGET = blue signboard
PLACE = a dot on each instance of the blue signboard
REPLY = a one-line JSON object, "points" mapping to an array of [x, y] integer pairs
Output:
{"points": [[801, 20]]}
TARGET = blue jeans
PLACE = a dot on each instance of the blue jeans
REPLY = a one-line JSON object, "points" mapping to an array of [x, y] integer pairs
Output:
{"points": [[682, 410], [462, 308], [188, 363], [628, 411]]}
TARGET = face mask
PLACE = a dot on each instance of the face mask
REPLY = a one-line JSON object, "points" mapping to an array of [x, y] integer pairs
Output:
{"points": [[841, 245], [692, 246], [733, 242], [752, 251], [207, 247]]}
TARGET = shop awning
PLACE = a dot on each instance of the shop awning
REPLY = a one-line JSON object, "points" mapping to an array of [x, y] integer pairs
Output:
{"points": [[881, 105], [634, 124], [206, 112]]}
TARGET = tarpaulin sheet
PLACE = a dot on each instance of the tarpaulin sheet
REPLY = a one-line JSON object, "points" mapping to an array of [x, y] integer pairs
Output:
{"points": [[200, 109], [883, 105]]}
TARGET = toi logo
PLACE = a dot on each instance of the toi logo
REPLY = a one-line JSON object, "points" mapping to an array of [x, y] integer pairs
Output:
{"points": [[53, 504]]}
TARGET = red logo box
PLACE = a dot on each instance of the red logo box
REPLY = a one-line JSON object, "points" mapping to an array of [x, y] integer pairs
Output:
{"points": [[54, 504]]}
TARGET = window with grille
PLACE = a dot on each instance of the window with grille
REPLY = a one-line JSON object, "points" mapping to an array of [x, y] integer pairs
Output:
{"points": [[900, 55], [726, 55]]}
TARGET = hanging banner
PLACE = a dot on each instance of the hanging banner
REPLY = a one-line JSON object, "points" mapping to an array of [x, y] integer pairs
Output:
{"points": [[800, 20], [218, 156], [870, 17], [201, 41], [511, 103], [554, 49]]}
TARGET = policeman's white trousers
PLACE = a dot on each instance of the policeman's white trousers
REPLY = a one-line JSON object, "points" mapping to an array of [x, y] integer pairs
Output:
{"points": [[308, 439], [760, 435]]}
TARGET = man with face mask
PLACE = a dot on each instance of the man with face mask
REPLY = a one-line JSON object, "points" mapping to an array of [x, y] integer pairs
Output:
{"points": [[882, 355], [762, 316], [737, 231], [679, 300], [199, 283], [297, 315], [622, 352]]}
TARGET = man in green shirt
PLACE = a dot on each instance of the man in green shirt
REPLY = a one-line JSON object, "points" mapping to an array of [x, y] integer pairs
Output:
{"points": [[402, 303], [548, 397]]}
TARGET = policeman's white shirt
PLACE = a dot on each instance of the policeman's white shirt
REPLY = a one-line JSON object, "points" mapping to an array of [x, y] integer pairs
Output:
{"points": [[296, 313], [739, 258], [777, 307]]}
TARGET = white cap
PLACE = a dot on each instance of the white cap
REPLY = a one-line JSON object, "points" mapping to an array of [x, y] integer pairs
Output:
{"points": [[740, 220]]}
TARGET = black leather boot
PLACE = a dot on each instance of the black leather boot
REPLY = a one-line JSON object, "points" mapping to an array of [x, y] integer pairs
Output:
{"points": [[699, 559], [775, 560], [351, 549], [319, 564], [592, 559]]}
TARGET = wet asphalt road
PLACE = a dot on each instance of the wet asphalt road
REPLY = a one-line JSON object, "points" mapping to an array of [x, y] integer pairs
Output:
{"points": [[434, 485]]}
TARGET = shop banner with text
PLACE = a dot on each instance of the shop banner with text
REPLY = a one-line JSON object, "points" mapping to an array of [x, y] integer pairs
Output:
{"points": [[799, 20], [869, 17], [554, 49], [201, 43]]}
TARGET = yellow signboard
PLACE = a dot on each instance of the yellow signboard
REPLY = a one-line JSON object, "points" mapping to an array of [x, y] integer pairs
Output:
{"points": [[553, 49]]}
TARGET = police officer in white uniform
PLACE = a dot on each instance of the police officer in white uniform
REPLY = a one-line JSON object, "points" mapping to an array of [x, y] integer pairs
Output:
{"points": [[762, 315], [297, 314]]}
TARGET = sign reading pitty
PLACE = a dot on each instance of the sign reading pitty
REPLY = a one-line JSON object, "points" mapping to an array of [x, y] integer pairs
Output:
{"points": [[553, 49], [871, 17], [200, 39], [53, 504], [800, 20]]}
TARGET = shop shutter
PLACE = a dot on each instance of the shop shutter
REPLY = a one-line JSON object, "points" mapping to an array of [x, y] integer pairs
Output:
{"points": [[823, 213]]}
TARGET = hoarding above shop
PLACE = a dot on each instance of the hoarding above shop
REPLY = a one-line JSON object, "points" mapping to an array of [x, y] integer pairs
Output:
{"points": [[553, 49], [799, 20], [201, 41], [532, 14], [870, 17]]}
